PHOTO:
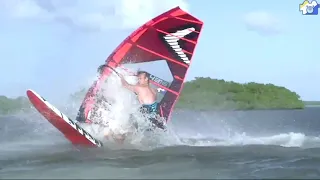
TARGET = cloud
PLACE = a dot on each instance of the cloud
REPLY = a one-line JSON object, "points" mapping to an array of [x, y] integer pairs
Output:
{"points": [[262, 22], [89, 15]]}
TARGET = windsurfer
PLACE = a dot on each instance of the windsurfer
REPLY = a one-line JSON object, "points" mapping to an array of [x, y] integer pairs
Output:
{"points": [[147, 97]]}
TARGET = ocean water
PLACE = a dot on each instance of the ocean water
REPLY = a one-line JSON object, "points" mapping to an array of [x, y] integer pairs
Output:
{"points": [[238, 144]]}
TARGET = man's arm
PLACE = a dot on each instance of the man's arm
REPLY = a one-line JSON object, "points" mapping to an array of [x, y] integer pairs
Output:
{"points": [[127, 85]]}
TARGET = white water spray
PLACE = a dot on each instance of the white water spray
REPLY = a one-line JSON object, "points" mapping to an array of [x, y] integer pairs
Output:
{"points": [[118, 110]]}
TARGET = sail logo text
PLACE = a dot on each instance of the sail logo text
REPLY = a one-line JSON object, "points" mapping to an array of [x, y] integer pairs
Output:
{"points": [[158, 80], [173, 40]]}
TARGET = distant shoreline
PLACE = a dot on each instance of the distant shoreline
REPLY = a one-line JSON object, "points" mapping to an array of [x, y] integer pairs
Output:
{"points": [[311, 103], [317, 106], [244, 110], [206, 94]]}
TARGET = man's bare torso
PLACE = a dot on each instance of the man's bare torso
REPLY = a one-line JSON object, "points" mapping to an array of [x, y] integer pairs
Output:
{"points": [[146, 94]]}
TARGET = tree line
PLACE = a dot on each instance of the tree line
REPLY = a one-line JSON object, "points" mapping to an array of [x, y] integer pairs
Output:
{"points": [[204, 94], [13, 105]]}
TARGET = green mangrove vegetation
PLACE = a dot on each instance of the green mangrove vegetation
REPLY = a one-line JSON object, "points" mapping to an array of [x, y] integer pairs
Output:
{"points": [[13, 105], [212, 94], [205, 94]]}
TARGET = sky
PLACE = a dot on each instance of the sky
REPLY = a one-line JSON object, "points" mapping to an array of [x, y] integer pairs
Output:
{"points": [[55, 46]]}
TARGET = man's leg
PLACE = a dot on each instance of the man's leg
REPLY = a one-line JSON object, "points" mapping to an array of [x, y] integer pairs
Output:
{"points": [[154, 117], [156, 123]]}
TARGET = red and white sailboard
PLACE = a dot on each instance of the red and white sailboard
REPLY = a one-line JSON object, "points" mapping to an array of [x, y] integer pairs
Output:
{"points": [[170, 37], [69, 128]]}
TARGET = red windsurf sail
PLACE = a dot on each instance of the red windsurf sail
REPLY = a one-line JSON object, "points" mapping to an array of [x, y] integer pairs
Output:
{"points": [[169, 38]]}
